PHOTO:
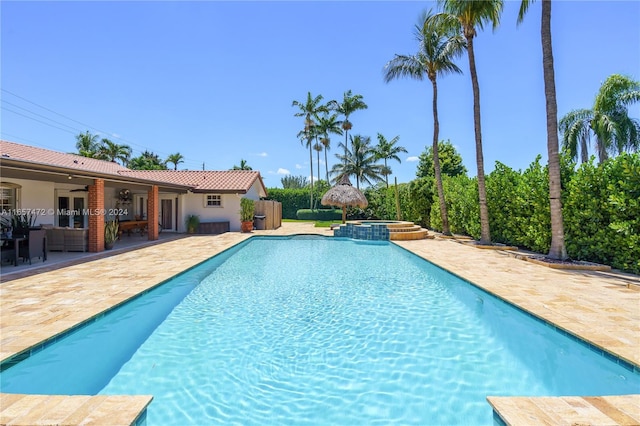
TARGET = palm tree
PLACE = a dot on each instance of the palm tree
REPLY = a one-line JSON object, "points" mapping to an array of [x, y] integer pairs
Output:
{"points": [[439, 46], [469, 16], [87, 144], [147, 161], [359, 161], [350, 104], [111, 151], [557, 250], [243, 166], [328, 124], [175, 159], [608, 120], [386, 150], [310, 110]]}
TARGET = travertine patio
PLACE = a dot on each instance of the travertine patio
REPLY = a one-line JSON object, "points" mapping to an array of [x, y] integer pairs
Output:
{"points": [[602, 308]]}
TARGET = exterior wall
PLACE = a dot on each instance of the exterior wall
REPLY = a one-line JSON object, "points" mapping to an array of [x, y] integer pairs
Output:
{"points": [[195, 204], [36, 195], [229, 211]]}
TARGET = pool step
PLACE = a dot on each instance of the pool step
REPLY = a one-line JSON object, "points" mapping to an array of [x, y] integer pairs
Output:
{"points": [[407, 231], [407, 234]]}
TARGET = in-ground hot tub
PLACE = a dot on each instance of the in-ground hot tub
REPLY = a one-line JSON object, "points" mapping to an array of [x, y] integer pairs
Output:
{"points": [[380, 230]]}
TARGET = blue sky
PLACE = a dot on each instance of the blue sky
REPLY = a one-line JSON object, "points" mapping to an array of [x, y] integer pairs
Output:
{"points": [[215, 80]]}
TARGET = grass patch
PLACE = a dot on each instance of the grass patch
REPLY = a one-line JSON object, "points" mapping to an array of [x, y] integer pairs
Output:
{"points": [[326, 223], [317, 223]]}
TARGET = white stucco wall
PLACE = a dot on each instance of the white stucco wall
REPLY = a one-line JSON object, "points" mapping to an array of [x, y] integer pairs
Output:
{"points": [[37, 196], [229, 211]]}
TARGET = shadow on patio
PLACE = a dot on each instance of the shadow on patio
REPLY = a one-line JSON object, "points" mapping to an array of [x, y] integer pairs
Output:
{"points": [[58, 259]]}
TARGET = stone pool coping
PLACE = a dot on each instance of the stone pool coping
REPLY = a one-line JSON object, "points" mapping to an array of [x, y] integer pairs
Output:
{"points": [[599, 307], [73, 409]]}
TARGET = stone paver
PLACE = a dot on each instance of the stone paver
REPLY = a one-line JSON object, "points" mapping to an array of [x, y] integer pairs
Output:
{"points": [[603, 308]]}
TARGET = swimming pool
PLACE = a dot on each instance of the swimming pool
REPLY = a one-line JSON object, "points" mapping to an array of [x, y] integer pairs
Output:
{"points": [[318, 331]]}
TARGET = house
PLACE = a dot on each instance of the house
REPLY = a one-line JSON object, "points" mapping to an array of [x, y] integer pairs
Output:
{"points": [[68, 190]]}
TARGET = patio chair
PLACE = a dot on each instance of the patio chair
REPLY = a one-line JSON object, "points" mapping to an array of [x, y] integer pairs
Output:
{"points": [[35, 246], [7, 252]]}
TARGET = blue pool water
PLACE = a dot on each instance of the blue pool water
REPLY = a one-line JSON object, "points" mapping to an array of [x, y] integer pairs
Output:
{"points": [[311, 331]]}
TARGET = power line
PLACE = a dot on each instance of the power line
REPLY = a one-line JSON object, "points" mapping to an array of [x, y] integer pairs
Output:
{"points": [[34, 113], [141, 148], [39, 121]]}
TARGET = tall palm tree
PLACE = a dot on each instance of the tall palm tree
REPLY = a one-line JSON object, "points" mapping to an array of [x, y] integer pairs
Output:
{"points": [[87, 144], [111, 151], [175, 159], [387, 150], [328, 124], [350, 104], [310, 110], [557, 250], [608, 120], [469, 16], [359, 161], [439, 46]]}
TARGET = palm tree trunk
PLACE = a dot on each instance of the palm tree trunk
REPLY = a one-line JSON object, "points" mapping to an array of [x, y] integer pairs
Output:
{"points": [[326, 163], [584, 156], [436, 161], [346, 141], [485, 234], [311, 166], [386, 176], [557, 249], [318, 157]]}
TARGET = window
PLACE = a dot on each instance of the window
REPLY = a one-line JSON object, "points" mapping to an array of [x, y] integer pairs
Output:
{"points": [[213, 200], [8, 196]]}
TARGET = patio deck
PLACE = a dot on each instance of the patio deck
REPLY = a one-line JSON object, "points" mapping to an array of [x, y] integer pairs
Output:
{"points": [[602, 308]]}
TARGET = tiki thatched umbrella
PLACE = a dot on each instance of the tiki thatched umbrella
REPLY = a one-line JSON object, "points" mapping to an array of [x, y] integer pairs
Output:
{"points": [[343, 195]]}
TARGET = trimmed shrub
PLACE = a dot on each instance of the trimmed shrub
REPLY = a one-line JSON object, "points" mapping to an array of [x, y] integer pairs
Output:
{"points": [[461, 196], [321, 214], [602, 213]]}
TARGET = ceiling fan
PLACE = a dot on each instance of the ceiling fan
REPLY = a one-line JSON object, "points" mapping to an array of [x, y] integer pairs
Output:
{"points": [[85, 189]]}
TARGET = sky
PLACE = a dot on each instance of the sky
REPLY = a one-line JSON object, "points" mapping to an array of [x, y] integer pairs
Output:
{"points": [[215, 80]]}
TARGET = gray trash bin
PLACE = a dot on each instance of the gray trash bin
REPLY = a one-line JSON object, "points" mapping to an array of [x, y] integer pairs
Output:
{"points": [[259, 222]]}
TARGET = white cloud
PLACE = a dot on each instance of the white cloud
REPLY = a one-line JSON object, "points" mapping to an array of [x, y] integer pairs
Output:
{"points": [[261, 154], [412, 159], [298, 166], [282, 171]]}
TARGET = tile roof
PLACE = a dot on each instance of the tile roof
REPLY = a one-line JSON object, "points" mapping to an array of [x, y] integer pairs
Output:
{"points": [[43, 156], [227, 181], [202, 180]]}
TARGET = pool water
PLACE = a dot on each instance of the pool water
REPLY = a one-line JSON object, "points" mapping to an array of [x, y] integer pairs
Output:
{"points": [[311, 331]]}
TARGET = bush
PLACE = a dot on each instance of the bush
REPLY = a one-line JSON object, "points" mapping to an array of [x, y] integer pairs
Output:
{"points": [[295, 199], [321, 214], [602, 213], [461, 196]]}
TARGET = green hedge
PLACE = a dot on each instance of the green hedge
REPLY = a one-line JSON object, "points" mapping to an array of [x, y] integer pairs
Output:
{"points": [[601, 208], [320, 214], [601, 213], [292, 200], [295, 199]]}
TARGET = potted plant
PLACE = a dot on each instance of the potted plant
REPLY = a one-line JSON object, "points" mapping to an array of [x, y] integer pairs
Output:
{"points": [[20, 224], [110, 233], [191, 222], [246, 214]]}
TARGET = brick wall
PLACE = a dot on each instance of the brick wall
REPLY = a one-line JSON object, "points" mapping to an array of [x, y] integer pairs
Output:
{"points": [[96, 216], [153, 209]]}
